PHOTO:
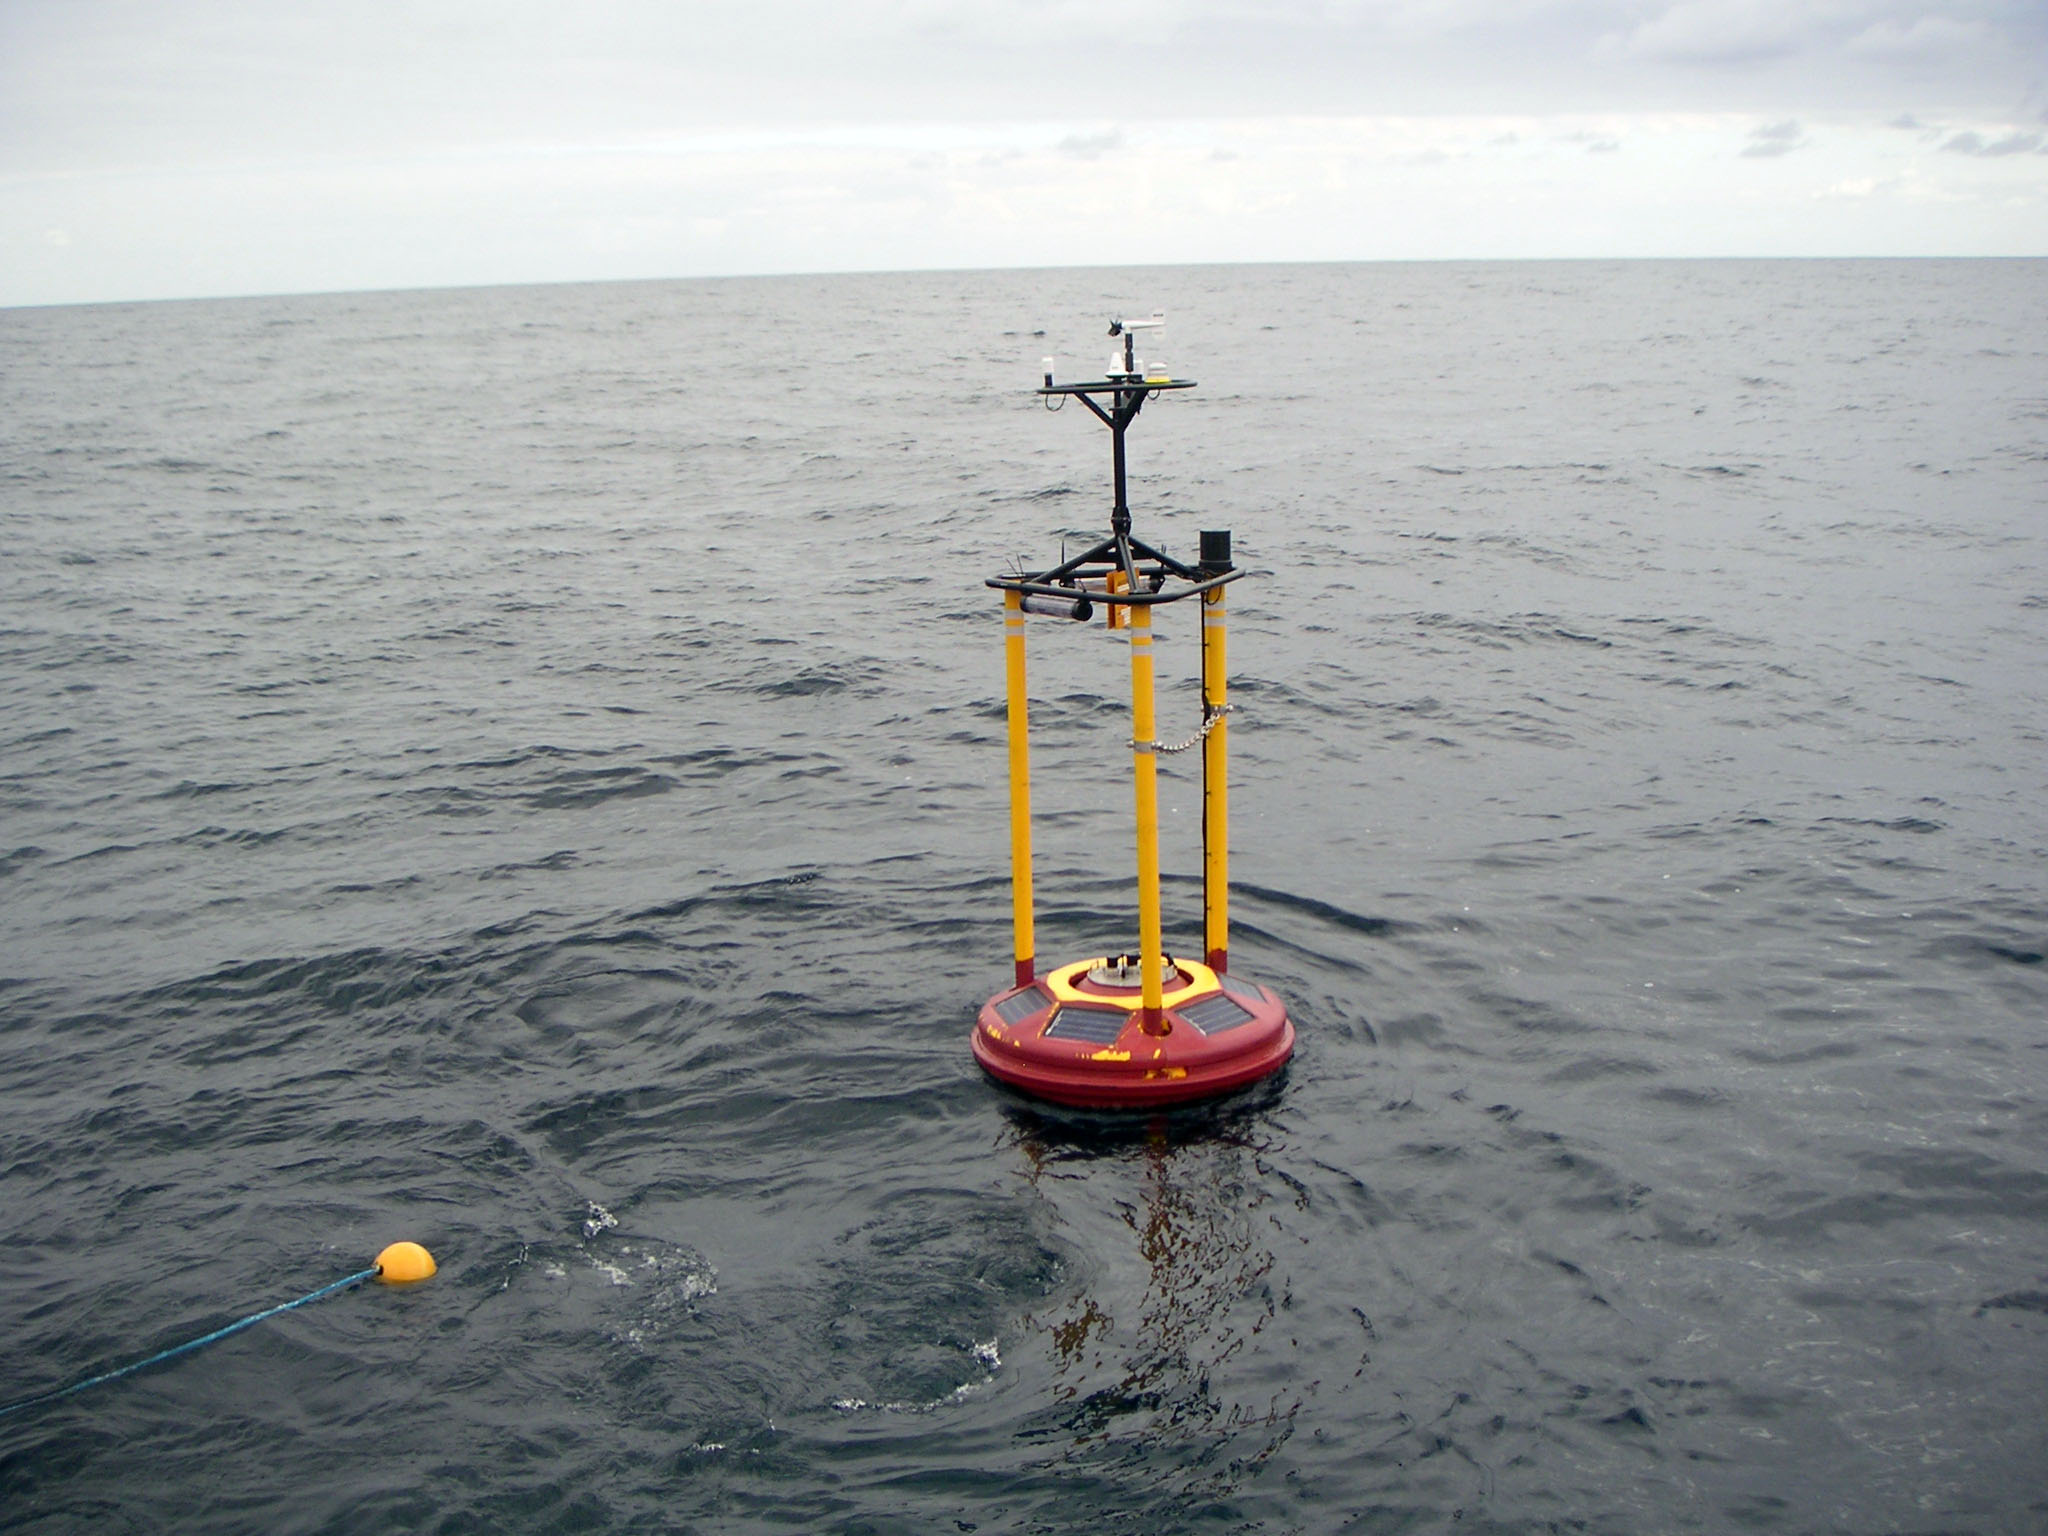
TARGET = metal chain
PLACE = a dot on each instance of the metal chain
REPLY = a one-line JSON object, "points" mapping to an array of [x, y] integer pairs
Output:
{"points": [[1208, 725]]}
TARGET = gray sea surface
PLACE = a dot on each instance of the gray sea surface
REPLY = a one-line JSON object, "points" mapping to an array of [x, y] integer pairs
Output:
{"points": [[523, 770]]}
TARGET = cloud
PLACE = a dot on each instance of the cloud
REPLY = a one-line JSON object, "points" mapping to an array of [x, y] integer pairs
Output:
{"points": [[1967, 143], [1092, 146], [198, 147], [1718, 32], [1007, 194], [209, 82], [1773, 139], [1926, 38], [1831, 52]]}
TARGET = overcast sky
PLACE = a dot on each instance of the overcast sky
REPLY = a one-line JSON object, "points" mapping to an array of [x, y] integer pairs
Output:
{"points": [[167, 149]]}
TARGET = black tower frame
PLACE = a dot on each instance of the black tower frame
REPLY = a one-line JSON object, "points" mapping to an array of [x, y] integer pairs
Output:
{"points": [[1146, 569]]}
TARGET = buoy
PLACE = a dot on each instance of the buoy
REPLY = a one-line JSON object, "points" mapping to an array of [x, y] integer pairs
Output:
{"points": [[1140, 1030], [404, 1264]]}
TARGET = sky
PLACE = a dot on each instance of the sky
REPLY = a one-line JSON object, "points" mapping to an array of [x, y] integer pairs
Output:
{"points": [[176, 148]]}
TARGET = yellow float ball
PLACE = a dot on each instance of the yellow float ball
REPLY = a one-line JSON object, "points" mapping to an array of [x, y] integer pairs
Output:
{"points": [[403, 1263]]}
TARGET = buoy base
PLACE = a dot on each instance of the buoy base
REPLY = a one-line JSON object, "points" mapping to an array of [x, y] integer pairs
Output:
{"points": [[405, 1264], [1079, 1036]]}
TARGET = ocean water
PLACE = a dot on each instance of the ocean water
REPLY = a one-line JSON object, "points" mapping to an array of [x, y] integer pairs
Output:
{"points": [[522, 770]]}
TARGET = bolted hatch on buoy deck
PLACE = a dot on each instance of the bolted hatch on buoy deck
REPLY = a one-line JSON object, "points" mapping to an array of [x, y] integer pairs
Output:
{"points": [[1130, 1031]]}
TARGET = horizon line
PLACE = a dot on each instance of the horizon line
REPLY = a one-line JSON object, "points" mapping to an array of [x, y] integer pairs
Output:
{"points": [[790, 274]]}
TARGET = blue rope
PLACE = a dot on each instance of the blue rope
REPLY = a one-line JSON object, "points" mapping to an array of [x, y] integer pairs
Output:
{"points": [[179, 1349]]}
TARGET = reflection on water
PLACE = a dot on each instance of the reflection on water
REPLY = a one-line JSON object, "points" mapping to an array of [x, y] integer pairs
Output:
{"points": [[1175, 1348]]}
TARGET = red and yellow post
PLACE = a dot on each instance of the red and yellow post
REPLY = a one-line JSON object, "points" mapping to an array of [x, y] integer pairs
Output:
{"points": [[1020, 788], [1145, 762], [1215, 787]]}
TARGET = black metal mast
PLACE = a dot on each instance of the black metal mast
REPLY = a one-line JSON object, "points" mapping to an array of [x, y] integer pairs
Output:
{"points": [[1146, 570]]}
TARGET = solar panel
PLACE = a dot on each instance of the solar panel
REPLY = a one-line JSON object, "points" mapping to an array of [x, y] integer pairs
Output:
{"points": [[1098, 1026], [1243, 989], [1213, 1015], [1021, 1005]]}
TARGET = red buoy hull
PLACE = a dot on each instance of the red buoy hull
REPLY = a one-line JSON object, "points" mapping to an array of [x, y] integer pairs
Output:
{"points": [[1071, 1041]]}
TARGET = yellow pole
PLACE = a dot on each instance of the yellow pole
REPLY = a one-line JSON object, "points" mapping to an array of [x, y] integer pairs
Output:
{"points": [[1020, 788], [1144, 753], [1215, 787]]}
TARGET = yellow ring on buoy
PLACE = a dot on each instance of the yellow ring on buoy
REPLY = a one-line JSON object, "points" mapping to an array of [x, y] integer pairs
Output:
{"points": [[1062, 983], [404, 1263]]}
